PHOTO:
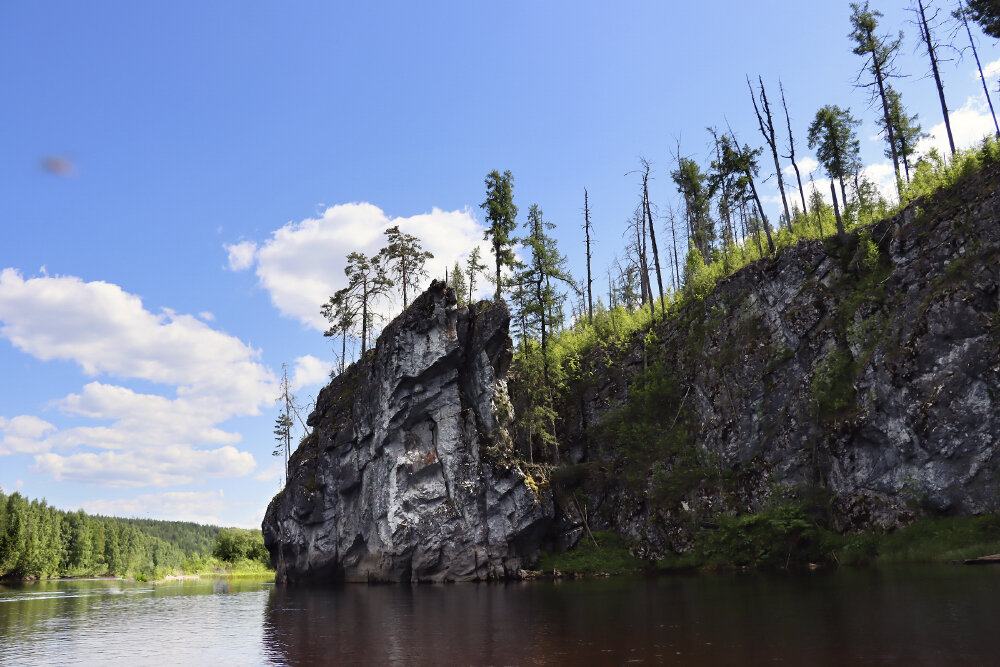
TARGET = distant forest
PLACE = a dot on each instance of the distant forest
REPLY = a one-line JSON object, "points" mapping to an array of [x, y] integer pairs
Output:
{"points": [[40, 541]]}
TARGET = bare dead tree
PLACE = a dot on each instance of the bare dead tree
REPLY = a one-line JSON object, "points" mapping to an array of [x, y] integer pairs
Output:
{"points": [[748, 172], [586, 229], [928, 40], [768, 132], [652, 233], [962, 14], [791, 149]]}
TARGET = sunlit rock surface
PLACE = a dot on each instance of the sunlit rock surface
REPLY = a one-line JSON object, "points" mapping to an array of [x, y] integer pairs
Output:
{"points": [[407, 475]]}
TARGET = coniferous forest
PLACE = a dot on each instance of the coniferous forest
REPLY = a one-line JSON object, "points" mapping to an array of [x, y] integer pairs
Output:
{"points": [[38, 541]]}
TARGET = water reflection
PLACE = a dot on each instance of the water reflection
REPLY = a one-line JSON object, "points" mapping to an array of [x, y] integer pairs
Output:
{"points": [[907, 616], [912, 616]]}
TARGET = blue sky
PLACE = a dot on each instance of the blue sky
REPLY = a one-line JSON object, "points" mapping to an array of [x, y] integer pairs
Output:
{"points": [[210, 164]]}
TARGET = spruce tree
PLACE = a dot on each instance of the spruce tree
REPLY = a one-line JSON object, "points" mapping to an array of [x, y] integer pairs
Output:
{"points": [[501, 218], [832, 135]]}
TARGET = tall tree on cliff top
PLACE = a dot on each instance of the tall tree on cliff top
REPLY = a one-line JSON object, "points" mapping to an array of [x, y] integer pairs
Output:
{"points": [[879, 52], [501, 216], [962, 15], [692, 186], [837, 148], [987, 14], [404, 259], [924, 23], [458, 283], [367, 283], [767, 130]]}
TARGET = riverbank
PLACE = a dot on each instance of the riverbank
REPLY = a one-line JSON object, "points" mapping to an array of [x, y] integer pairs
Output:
{"points": [[787, 538]]}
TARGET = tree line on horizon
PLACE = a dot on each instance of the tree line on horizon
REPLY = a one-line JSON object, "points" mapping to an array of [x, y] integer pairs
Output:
{"points": [[38, 541]]}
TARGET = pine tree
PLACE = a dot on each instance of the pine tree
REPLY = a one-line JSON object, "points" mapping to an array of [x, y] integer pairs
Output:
{"points": [[879, 53], [987, 14], [501, 216], [404, 259], [906, 132], [693, 188], [341, 312], [837, 148], [367, 283]]}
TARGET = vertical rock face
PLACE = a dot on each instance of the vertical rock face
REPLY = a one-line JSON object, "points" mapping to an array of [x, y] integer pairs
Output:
{"points": [[406, 475], [866, 375]]}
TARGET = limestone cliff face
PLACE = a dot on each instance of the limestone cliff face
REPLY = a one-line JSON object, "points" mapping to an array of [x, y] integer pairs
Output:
{"points": [[406, 475], [875, 387]]}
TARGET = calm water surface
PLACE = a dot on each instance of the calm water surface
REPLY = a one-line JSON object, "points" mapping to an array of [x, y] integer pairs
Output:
{"points": [[907, 616]]}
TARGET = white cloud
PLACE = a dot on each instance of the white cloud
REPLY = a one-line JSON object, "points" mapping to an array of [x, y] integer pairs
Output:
{"points": [[207, 316], [271, 472], [884, 177], [302, 263], [22, 434], [310, 370], [150, 439], [968, 125], [241, 255], [990, 71], [198, 506]]}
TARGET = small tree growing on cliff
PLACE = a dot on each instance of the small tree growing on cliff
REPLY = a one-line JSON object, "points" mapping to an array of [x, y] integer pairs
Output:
{"points": [[473, 269], [367, 282], [341, 315], [404, 259]]}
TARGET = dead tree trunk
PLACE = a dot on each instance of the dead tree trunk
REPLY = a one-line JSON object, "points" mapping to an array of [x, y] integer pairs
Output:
{"points": [[925, 34], [791, 150], [586, 228], [890, 135], [975, 53], [652, 234], [836, 211], [768, 132]]}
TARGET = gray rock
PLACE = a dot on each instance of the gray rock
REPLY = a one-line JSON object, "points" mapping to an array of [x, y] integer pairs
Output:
{"points": [[407, 475]]}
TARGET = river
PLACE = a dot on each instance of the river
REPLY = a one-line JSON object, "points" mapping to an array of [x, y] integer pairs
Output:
{"points": [[904, 616]]}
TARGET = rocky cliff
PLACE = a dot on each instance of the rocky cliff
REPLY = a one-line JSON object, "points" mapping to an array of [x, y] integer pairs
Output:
{"points": [[407, 475], [862, 376]]}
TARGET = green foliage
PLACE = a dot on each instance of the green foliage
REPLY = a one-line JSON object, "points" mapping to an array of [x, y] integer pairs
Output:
{"points": [[501, 216], [987, 14], [404, 258], [933, 174], [941, 540], [694, 187], [782, 536], [39, 541], [612, 557], [236, 544], [832, 385], [832, 135]]}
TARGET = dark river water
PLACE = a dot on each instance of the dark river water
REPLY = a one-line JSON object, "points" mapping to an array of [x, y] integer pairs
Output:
{"points": [[944, 615]]}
